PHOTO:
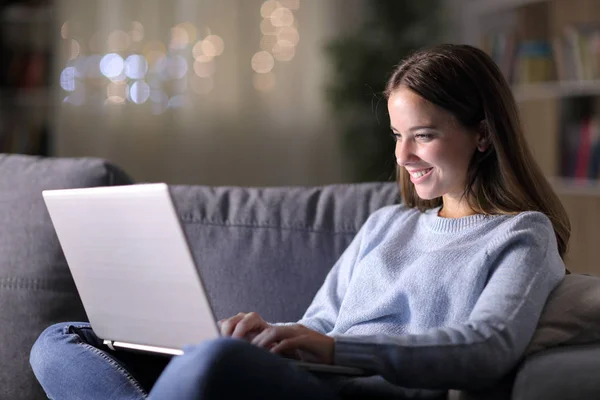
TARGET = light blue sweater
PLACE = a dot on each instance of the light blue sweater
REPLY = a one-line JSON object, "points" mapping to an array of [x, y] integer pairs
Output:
{"points": [[430, 302]]}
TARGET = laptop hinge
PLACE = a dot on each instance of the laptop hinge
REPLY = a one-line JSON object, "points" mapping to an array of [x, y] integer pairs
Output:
{"points": [[141, 347]]}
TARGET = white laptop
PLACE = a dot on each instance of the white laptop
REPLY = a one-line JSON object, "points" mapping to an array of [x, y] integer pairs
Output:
{"points": [[134, 270]]}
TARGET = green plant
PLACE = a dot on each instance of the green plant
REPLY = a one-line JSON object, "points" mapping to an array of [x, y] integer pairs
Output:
{"points": [[362, 62]]}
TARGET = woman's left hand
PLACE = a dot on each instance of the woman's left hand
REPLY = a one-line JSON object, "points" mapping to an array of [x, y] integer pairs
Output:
{"points": [[297, 340]]}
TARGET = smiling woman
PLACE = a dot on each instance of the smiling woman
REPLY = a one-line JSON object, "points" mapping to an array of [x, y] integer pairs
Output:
{"points": [[442, 292]]}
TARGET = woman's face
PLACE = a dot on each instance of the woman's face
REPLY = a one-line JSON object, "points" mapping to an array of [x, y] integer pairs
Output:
{"points": [[431, 145]]}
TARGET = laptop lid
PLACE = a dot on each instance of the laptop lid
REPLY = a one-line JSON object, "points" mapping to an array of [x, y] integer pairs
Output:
{"points": [[132, 265]]}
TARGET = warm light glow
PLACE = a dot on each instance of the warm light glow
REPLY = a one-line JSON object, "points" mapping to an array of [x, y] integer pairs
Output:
{"points": [[190, 30], [154, 56], [282, 17], [136, 66], [118, 41], [111, 65], [137, 31], [216, 44], [198, 51], [262, 62], [116, 91], [64, 30], [139, 92], [289, 34], [204, 69], [291, 4], [67, 79], [75, 49], [154, 46], [201, 85], [179, 38], [267, 42], [114, 100], [267, 27], [268, 7], [264, 82], [284, 51]]}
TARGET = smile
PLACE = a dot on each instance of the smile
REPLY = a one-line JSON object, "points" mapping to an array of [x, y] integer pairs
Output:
{"points": [[418, 176]]}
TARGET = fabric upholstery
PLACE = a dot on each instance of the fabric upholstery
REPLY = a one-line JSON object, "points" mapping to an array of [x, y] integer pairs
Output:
{"points": [[561, 373], [571, 315], [36, 288], [268, 250]]}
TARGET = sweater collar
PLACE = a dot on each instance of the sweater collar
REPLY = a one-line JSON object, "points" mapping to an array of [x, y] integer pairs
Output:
{"points": [[441, 224]]}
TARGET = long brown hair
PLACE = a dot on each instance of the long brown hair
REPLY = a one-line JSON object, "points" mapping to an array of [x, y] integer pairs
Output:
{"points": [[503, 179]]}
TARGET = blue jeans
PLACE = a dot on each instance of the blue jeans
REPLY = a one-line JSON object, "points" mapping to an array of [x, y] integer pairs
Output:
{"points": [[70, 362]]}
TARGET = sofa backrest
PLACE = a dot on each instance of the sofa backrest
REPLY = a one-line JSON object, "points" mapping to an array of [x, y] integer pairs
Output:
{"points": [[269, 249], [36, 288]]}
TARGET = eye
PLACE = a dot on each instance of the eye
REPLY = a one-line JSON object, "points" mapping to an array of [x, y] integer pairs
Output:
{"points": [[424, 137], [395, 136]]}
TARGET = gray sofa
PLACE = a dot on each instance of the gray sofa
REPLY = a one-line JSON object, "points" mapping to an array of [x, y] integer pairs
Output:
{"points": [[265, 249]]}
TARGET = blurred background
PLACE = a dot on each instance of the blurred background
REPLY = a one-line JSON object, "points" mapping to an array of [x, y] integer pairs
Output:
{"points": [[287, 92]]}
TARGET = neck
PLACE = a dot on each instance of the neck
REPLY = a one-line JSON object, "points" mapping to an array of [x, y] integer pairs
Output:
{"points": [[451, 208]]}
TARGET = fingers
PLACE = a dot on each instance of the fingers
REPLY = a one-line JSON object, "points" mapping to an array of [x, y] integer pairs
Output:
{"points": [[290, 344], [227, 325], [250, 322], [269, 336]]}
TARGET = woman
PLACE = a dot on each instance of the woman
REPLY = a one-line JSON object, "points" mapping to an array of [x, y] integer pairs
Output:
{"points": [[443, 291]]}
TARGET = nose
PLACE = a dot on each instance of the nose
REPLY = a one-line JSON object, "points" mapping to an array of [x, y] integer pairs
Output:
{"points": [[405, 152]]}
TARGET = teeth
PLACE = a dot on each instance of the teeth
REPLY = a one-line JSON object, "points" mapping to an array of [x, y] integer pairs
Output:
{"points": [[419, 174]]}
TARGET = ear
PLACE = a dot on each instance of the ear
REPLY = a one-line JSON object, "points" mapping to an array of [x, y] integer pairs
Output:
{"points": [[482, 137]]}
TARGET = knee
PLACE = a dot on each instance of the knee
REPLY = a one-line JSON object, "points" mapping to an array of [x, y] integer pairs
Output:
{"points": [[48, 348], [203, 369], [219, 354]]}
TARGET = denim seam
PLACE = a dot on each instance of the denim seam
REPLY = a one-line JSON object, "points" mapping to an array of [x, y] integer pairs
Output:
{"points": [[112, 362]]}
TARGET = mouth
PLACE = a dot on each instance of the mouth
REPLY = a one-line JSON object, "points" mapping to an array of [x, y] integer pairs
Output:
{"points": [[420, 175]]}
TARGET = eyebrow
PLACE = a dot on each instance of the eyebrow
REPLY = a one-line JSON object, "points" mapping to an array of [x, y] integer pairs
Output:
{"points": [[416, 128]]}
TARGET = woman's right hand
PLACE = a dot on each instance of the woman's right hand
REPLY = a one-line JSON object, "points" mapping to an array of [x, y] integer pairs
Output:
{"points": [[243, 326]]}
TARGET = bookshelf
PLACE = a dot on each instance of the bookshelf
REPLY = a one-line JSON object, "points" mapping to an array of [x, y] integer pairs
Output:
{"points": [[549, 50], [25, 75]]}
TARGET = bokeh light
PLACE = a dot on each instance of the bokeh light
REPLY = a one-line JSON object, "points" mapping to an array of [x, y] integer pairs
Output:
{"points": [[74, 49], [136, 66], [118, 40], [289, 34], [111, 65], [268, 7], [284, 51], [139, 92], [291, 4], [282, 17], [117, 90], [67, 79], [264, 82], [176, 66], [137, 31], [267, 42], [267, 27], [214, 44], [64, 30], [179, 38], [262, 62], [204, 69]]}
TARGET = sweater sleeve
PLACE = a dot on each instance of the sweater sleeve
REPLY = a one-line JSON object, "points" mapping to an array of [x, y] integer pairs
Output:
{"points": [[524, 268], [322, 313]]}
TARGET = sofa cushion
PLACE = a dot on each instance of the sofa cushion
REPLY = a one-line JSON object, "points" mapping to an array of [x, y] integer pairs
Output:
{"points": [[36, 288], [571, 314], [561, 373], [269, 249]]}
